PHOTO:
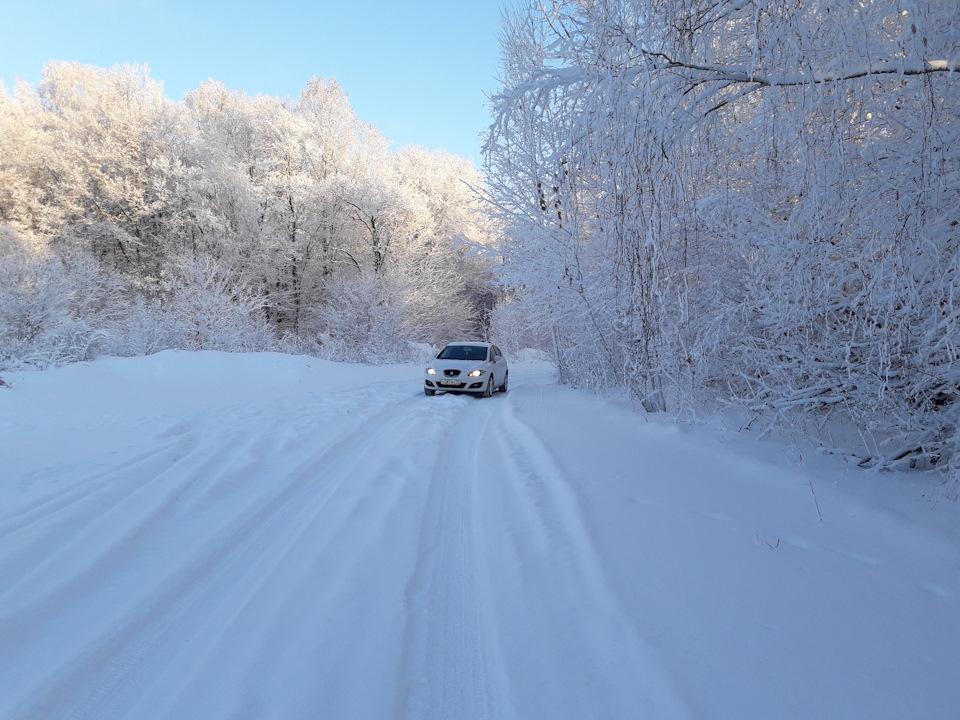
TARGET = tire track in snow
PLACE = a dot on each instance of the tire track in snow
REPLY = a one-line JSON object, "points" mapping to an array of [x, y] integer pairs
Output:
{"points": [[573, 613], [450, 665], [88, 547], [45, 529], [59, 499], [111, 497], [118, 557], [337, 584], [195, 584]]}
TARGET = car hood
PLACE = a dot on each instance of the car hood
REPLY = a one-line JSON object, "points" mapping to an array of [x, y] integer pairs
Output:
{"points": [[462, 365]]}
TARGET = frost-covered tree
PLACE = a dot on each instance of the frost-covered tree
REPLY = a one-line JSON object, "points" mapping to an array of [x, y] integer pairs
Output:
{"points": [[111, 129], [747, 197], [253, 208], [442, 256]]}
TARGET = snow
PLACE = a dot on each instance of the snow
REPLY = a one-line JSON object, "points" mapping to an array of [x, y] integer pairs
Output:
{"points": [[209, 535]]}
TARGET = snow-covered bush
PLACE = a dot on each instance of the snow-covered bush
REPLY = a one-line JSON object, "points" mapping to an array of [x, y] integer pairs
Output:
{"points": [[215, 311], [148, 326], [42, 321], [361, 322]]}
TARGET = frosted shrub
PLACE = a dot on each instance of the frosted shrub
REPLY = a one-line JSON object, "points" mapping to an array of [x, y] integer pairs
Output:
{"points": [[217, 311], [361, 322], [148, 327], [38, 327]]}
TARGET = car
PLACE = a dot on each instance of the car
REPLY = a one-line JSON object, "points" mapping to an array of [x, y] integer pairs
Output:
{"points": [[477, 368]]}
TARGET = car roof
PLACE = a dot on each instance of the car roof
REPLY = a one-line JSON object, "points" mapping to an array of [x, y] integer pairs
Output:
{"points": [[470, 342]]}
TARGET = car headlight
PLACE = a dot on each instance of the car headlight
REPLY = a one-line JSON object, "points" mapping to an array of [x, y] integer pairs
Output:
{"points": [[431, 371], [477, 373]]}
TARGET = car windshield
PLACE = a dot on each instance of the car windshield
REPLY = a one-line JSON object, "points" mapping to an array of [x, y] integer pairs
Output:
{"points": [[463, 352]]}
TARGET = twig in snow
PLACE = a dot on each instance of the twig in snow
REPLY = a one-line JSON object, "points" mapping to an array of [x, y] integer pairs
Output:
{"points": [[815, 501], [763, 541]]}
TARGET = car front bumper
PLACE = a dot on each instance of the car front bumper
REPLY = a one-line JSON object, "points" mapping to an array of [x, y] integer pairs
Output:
{"points": [[471, 385]]}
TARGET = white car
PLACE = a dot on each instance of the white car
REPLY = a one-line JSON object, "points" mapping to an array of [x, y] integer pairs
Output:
{"points": [[467, 367]]}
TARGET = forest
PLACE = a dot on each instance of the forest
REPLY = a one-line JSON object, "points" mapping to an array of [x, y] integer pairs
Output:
{"points": [[743, 202], [131, 224], [703, 203]]}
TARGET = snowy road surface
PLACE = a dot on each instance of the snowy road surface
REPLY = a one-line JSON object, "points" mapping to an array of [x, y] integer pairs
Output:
{"points": [[201, 535]]}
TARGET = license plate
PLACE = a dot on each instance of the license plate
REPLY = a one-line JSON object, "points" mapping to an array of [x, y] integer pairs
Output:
{"points": [[455, 383]]}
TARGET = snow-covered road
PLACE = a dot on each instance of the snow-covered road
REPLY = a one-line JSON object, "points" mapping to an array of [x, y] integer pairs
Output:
{"points": [[201, 535]]}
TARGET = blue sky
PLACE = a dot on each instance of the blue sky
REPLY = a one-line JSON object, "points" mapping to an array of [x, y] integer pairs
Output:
{"points": [[416, 69]]}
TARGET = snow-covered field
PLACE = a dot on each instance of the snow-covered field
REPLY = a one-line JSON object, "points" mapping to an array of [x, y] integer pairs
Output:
{"points": [[203, 535]]}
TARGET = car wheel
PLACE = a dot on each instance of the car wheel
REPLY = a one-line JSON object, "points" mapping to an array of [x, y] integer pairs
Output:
{"points": [[488, 391], [428, 391], [503, 388]]}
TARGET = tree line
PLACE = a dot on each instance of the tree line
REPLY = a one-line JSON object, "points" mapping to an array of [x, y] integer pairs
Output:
{"points": [[743, 201], [130, 223]]}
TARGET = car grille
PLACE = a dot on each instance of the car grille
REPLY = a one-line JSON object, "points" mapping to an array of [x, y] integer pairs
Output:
{"points": [[451, 373]]}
